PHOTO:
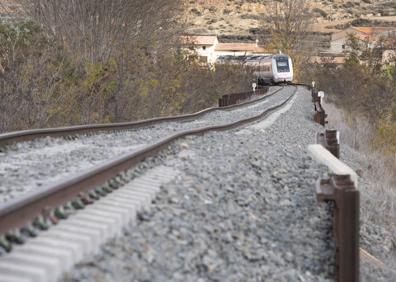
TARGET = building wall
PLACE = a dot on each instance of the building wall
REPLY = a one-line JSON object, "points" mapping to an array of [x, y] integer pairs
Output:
{"points": [[389, 56], [232, 53], [336, 46], [208, 51]]}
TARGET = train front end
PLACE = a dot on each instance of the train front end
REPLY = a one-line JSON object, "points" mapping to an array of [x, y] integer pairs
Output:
{"points": [[282, 69]]}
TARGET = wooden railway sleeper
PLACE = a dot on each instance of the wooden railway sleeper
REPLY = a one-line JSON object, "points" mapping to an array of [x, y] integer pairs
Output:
{"points": [[50, 217]]}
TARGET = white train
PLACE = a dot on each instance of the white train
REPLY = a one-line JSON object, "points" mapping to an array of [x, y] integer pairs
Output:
{"points": [[271, 69]]}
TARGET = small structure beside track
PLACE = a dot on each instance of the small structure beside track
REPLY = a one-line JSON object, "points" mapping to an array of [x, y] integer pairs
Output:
{"points": [[320, 113]]}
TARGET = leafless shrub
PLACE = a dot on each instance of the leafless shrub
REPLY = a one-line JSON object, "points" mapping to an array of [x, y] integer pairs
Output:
{"points": [[41, 85], [101, 61], [379, 197], [97, 29], [286, 28], [287, 24]]}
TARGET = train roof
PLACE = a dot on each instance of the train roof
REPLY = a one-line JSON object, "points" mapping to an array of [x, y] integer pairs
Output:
{"points": [[261, 57]]}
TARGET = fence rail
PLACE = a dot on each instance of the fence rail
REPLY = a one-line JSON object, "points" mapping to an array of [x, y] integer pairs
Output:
{"points": [[232, 99], [341, 188]]}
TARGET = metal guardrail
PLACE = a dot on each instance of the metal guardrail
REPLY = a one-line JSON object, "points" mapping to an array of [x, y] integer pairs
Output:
{"points": [[341, 188], [232, 99]]}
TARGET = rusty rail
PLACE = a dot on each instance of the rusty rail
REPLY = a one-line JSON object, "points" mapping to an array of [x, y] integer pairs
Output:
{"points": [[340, 188], [26, 135], [20, 212]]}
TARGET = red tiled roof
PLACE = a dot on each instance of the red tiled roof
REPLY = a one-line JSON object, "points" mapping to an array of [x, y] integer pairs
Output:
{"points": [[240, 47], [338, 60], [199, 39], [363, 33], [366, 30]]}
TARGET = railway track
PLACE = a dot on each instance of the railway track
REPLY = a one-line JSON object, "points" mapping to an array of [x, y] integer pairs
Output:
{"points": [[27, 135], [46, 206], [231, 214], [224, 203], [32, 164]]}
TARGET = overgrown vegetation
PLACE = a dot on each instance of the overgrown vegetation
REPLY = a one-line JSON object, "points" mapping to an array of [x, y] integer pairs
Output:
{"points": [[361, 103], [366, 89], [49, 77]]}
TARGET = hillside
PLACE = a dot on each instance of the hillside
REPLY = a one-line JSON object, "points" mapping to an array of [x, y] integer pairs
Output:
{"points": [[241, 17]]}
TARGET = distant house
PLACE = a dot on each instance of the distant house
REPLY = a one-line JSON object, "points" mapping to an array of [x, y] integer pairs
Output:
{"points": [[389, 57], [239, 49], [204, 45], [335, 60], [364, 34], [210, 50], [9, 9]]}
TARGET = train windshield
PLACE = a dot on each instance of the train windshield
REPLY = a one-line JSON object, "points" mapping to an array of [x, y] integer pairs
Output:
{"points": [[282, 64]]}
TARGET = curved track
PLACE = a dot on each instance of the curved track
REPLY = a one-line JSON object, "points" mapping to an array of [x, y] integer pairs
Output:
{"points": [[16, 213], [122, 194], [30, 165], [26, 135]]}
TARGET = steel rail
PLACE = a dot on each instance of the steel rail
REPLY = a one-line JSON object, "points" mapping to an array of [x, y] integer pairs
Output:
{"points": [[19, 212], [26, 135]]}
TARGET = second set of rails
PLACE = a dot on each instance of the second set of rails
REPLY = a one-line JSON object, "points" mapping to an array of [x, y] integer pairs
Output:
{"points": [[21, 210]]}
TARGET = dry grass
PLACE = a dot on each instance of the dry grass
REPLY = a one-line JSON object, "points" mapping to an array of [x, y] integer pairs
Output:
{"points": [[378, 181]]}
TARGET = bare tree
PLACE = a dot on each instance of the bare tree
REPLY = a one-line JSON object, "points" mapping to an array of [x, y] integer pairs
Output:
{"points": [[96, 29], [287, 24]]}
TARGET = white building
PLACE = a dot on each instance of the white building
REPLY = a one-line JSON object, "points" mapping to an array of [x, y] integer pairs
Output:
{"points": [[209, 49], [239, 49], [204, 45], [364, 34], [389, 57]]}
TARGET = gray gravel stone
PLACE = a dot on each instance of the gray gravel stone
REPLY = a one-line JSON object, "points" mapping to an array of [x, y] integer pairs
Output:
{"points": [[222, 219], [28, 166]]}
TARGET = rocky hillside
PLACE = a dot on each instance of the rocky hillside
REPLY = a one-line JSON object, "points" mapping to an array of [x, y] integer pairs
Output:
{"points": [[241, 17]]}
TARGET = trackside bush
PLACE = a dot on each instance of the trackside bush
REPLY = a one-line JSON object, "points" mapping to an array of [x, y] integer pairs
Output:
{"points": [[43, 85]]}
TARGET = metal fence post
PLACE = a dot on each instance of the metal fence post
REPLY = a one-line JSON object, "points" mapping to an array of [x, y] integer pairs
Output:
{"points": [[341, 188], [347, 229]]}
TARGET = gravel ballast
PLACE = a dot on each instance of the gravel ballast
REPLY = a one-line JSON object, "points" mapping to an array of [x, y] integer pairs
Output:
{"points": [[28, 166], [244, 209]]}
